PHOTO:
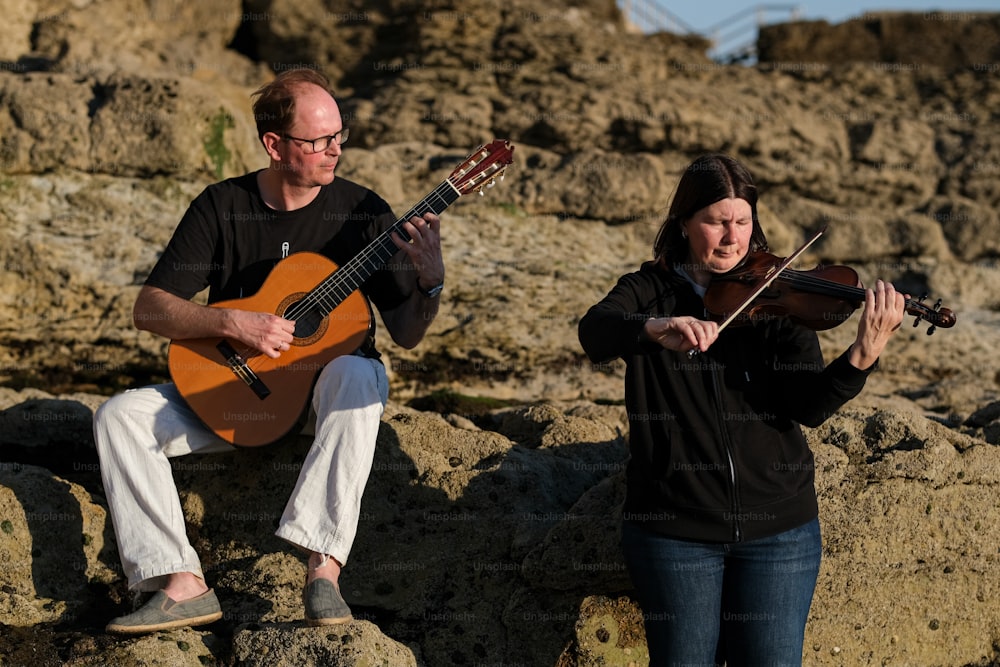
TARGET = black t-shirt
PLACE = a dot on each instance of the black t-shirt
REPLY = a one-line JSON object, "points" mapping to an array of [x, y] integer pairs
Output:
{"points": [[229, 240]]}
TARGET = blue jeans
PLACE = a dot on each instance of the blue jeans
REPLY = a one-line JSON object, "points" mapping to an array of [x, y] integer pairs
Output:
{"points": [[743, 603]]}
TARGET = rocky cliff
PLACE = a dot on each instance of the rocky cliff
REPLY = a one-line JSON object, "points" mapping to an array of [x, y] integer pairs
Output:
{"points": [[941, 39], [489, 528]]}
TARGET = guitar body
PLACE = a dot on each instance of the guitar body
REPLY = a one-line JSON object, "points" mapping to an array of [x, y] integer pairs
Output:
{"points": [[248, 398]]}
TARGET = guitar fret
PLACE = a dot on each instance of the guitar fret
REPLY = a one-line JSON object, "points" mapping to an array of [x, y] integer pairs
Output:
{"points": [[326, 307], [349, 277], [442, 200]]}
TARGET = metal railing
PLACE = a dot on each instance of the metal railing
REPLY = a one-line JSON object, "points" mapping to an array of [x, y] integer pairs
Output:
{"points": [[733, 39], [651, 16]]}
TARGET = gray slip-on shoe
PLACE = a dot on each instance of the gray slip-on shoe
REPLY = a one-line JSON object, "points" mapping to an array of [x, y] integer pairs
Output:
{"points": [[324, 604], [162, 613]]}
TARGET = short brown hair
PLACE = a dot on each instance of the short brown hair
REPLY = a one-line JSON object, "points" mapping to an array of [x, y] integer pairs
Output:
{"points": [[708, 179], [274, 106]]}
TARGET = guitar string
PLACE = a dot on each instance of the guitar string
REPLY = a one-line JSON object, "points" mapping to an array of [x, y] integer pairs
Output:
{"points": [[318, 295], [342, 286], [339, 282]]}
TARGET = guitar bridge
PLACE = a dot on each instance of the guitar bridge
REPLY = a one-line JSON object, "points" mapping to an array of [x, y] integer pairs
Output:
{"points": [[240, 369]]}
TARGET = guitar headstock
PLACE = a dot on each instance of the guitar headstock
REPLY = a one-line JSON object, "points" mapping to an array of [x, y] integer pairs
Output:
{"points": [[482, 167]]}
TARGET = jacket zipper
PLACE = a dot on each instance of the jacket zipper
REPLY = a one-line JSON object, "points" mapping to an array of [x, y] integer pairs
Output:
{"points": [[728, 446]]}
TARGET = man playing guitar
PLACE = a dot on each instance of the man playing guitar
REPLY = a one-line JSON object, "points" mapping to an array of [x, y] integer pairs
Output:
{"points": [[229, 239]]}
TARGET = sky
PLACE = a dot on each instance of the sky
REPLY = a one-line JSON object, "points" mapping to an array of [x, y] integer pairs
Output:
{"points": [[734, 20], [703, 15]]}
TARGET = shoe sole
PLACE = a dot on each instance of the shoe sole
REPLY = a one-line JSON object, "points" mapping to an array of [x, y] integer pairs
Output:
{"points": [[167, 625], [318, 622]]}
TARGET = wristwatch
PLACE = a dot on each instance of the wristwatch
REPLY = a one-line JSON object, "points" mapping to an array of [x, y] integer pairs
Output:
{"points": [[432, 292]]}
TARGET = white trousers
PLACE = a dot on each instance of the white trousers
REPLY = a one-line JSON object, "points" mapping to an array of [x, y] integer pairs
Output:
{"points": [[138, 431]]}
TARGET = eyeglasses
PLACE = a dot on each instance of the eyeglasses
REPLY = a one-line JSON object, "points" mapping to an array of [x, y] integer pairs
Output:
{"points": [[320, 144]]}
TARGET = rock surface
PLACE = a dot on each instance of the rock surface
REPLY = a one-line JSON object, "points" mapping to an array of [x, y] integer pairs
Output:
{"points": [[910, 40], [489, 530]]}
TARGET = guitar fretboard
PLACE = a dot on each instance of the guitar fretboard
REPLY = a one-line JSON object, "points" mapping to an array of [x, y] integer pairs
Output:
{"points": [[343, 282]]}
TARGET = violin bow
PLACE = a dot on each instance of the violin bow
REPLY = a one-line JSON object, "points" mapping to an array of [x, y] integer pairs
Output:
{"points": [[767, 283]]}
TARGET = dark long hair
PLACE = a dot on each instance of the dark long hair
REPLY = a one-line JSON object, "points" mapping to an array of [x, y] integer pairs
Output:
{"points": [[708, 179]]}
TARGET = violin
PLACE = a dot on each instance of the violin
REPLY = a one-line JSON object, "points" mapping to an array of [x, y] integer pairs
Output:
{"points": [[821, 298]]}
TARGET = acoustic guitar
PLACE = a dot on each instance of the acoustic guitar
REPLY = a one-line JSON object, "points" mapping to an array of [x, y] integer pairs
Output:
{"points": [[250, 399]]}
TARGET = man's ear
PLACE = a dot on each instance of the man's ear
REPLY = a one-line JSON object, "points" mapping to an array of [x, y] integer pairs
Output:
{"points": [[270, 141]]}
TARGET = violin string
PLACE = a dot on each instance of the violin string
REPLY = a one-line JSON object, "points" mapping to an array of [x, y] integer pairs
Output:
{"points": [[822, 286], [839, 290], [825, 287]]}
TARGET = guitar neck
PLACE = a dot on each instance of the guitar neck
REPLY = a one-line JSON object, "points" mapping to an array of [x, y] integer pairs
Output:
{"points": [[382, 249], [344, 281]]}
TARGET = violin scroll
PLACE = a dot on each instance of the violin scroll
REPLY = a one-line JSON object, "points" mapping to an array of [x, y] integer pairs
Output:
{"points": [[936, 315]]}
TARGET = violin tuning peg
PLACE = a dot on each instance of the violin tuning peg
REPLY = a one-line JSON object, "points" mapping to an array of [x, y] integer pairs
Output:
{"points": [[931, 329]]}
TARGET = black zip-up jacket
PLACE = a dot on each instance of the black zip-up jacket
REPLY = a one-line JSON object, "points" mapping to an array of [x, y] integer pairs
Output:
{"points": [[717, 454]]}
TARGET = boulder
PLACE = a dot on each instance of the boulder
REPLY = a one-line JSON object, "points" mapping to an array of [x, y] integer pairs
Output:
{"points": [[57, 544], [353, 645]]}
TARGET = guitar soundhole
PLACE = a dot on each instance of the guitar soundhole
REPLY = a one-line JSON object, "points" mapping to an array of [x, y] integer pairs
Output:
{"points": [[310, 324]]}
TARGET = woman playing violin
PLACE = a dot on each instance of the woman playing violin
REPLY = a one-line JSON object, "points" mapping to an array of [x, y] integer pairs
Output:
{"points": [[720, 526]]}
